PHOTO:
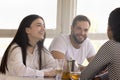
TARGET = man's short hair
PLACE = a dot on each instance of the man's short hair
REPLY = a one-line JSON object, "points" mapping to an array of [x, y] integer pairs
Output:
{"points": [[80, 18]]}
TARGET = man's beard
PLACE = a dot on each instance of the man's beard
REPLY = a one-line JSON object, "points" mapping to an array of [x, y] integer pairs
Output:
{"points": [[78, 41]]}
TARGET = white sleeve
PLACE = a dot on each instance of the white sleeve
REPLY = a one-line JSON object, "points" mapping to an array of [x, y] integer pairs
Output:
{"points": [[48, 61], [91, 50], [16, 66], [59, 44]]}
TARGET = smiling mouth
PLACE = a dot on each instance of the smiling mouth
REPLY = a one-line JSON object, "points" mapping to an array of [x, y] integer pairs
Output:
{"points": [[41, 32], [80, 36]]}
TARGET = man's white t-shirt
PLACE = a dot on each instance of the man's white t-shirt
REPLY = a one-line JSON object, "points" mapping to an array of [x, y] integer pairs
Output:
{"points": [[62, 44]]}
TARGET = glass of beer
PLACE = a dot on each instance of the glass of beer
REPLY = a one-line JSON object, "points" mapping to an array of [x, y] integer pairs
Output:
{"points": [[75, 75], [65, 75], [75, 72], [59, 67]]}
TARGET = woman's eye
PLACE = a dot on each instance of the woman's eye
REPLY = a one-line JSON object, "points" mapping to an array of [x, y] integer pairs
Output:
{"points": [[40, 25]]}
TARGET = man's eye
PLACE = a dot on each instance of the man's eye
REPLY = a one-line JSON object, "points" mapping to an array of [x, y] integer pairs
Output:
{"points": [[78, 28]]}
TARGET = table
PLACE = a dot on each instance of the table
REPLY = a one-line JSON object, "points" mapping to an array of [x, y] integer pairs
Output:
{"points": [[4, 77]]}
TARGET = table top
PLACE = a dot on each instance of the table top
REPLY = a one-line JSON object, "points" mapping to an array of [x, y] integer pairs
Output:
{"points": [[4, 77]]}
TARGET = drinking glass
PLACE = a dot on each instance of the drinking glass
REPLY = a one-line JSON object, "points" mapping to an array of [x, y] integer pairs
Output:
{"points": [[75, 73], [66, 73], [59, 67]]}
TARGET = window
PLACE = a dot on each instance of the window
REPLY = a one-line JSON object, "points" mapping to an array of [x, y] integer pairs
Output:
{"points": [[98, 12], [13, 11]]}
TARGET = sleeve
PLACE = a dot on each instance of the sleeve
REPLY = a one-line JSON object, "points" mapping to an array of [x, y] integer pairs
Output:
{"points": [[100, 62], [59, 44], [91, 50], [48, 61], [16, 66]]}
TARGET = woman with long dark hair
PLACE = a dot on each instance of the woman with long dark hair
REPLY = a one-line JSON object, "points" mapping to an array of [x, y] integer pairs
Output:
{"points": [[26, 54]]}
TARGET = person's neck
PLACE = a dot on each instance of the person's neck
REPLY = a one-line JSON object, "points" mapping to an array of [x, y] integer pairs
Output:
{"points": [[32, 44], [31, 47], [73, 42]]}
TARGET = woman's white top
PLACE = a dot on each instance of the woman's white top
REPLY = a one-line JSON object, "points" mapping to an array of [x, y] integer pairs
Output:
{"points": [[17, 68]]}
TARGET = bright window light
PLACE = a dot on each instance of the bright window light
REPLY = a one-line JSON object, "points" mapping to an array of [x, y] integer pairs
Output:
{"points": [[13, 11], [98, 12]]}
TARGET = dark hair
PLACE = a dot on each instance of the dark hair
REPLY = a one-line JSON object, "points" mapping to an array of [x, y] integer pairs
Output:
{"points": [[80, 18], [114, 23], [21, 39]]}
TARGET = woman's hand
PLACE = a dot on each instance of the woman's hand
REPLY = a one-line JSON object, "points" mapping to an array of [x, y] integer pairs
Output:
{"points": [[50, 73]]}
